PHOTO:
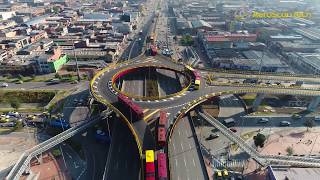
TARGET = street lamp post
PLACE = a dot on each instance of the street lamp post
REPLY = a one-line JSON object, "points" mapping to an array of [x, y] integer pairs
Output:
{"points": [[75, 57]]}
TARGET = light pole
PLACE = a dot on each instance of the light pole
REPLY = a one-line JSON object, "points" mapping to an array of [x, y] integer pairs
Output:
{"points": [[75, 57]]}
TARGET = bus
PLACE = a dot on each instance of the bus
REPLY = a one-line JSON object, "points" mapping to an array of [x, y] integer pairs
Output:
{"points": [[195, 75], [161, 136], [163, 118], [150, 169], [162, 166], [131, 109]]}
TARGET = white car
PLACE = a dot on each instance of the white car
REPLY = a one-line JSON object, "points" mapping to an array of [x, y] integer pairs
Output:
{"points": [[4, 85]]}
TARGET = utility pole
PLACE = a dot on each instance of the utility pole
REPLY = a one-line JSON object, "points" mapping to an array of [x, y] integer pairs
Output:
{"points": [[75, 56]]}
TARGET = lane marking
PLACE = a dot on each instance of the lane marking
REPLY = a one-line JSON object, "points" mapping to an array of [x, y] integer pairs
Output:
{"points": [[150, 114], [145, 110]]}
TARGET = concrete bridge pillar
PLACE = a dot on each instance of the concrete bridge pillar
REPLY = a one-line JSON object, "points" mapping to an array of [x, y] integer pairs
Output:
{"points": [[314, 104], [257, 101]]}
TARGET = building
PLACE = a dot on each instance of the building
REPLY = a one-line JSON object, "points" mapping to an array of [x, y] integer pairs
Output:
{"points": [[7, 15], [308, 62], [287, 173], [51, 61]]}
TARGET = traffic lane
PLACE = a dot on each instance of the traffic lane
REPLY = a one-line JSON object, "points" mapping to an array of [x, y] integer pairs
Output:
{"points": [[248, 121], [75, 164], [124, 163], [39, 85], [217, 145], [184, 157]]}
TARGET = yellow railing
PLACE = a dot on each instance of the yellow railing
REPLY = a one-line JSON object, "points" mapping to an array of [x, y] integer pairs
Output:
{"points": [[127, 122]]}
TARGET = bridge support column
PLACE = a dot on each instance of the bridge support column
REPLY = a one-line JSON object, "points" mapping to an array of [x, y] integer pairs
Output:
{"points": [[314, 104], [257, 101]]}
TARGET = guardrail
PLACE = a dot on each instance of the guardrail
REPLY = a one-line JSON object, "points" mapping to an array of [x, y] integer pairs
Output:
{"points": [[144, 98], [261, 86], [265, 77], [213, 70], [25, 158]]}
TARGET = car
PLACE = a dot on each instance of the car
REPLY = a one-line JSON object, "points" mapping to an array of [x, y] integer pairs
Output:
{"points": [[285, 123], [212, 136], [4, 85], [233, 130], [263, 120], [219, 173], [225, 172], [296, 116]]}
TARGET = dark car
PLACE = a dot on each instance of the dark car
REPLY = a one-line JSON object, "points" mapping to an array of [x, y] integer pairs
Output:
{"points": [[212, 136], [233, 130]]}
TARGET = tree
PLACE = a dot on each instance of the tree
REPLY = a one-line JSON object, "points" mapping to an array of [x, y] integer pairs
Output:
{"points": [[186, 40], [309, 123], [289, 150], [15, 103], [57, 75], [259, 140]]}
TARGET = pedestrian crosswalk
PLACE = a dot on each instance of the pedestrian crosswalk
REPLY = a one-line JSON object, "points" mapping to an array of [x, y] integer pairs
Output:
{"points": [[223, 163]]}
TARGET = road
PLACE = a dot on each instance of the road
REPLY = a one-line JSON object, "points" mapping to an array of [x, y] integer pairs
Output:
{"points": [[230, 106], [134, 84], [184, 158], [124, 160], [73, 112], [42, 86], [168, 82]]}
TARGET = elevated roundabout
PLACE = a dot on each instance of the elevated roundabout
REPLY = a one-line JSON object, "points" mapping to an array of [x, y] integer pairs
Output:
{"points": [[103, 88]]}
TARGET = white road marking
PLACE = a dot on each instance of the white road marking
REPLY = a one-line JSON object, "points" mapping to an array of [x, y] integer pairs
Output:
{"points": [[184, 160], [194, 164], [179, 132], [189, 145], [181, 146], [176, 162]]}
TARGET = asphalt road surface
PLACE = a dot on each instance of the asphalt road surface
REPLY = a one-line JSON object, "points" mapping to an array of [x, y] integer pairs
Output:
{"points": [[184, 157], [134, 84], [42, 85], [168, 82], [124, 160]]}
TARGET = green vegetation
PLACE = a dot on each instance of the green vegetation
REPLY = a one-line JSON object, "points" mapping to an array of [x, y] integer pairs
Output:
{"points": [[32, 96], [259, 140], [56, 153], [309, 123], [152, 84], [248, 98], [290, 151], [187, 40], [15, 103]]}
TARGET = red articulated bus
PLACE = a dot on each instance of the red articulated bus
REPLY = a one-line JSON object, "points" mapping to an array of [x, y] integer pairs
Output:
{"points": [[162, 166], [150, 169], [162, 136], [163, 118], [131, 109]]}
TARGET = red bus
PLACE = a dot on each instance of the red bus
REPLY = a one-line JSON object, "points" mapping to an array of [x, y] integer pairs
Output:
{"points": [[161, 136], [150, 169], [163, 119], [162, 166], [131, 109]]}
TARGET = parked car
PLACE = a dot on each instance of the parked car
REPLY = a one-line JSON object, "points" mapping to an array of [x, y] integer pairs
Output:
{"points": [[285, 123]]}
